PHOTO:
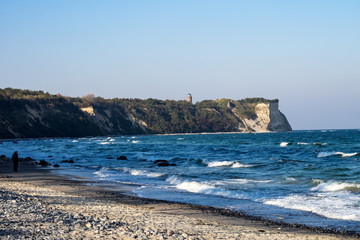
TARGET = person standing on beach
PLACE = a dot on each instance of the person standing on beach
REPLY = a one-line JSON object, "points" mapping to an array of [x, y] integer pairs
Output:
{"points": [[15, 160]]}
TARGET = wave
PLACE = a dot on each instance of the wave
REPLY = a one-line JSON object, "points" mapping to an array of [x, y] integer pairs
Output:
{"points": [[240, 165], [327, 154], [136, 172], [148, 157], [232, 164], [204, 188], [284, 144], [104, 173], [303, 143], [241, 181], [319, 144], [194, 187], [333, 186], [220, 164], [335, 205], [135, 141]]}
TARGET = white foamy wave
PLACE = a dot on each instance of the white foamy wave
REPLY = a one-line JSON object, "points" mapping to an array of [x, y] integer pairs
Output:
{"points": [[104, 143], [147, 157], [220, 164], [284, 144], [327, 154], [179, 139], [137, 141], [155, 175], [112, 140], [173, 180], [303, 143], [194, 187], [207, 188], [104, 173], [347, 154], [228, 164], [336, 205], [242, 181], [136, 172], [140, 156], [333, 186], [74, 141], [240, 165]]}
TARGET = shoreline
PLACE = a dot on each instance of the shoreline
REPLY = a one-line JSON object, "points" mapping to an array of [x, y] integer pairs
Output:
{"points": [[154, 219]]}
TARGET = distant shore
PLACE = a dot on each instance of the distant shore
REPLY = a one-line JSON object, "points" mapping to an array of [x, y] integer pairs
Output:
{"points": [[53, 206]]}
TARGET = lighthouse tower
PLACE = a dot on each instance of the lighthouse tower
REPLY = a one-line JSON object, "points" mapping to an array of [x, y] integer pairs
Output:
{"points": [[189, 98]]}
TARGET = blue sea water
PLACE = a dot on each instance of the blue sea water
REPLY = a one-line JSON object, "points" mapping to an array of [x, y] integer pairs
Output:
{"points": [[307, 177]]}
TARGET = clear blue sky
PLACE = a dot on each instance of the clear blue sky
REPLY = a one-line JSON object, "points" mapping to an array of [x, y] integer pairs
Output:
{"points": [[304, 52]]}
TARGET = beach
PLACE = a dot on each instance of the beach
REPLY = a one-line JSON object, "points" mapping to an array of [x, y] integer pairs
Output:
{"points": [[38, 204]]}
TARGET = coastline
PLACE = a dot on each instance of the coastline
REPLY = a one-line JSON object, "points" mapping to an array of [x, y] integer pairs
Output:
{"points": [[51, 205]]}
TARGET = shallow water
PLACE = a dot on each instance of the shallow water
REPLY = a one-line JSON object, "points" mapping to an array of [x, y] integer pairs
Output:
{"points": [[308, 177]]}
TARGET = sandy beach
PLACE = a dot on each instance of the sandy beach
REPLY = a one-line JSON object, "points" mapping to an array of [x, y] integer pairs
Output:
{"points": [[38, 204]]}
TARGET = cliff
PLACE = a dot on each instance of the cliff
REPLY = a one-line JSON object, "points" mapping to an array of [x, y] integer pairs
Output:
{"points": [[34, 114]]}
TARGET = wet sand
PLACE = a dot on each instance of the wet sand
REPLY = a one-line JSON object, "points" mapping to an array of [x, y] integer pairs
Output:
{"points": [[36, 203]]}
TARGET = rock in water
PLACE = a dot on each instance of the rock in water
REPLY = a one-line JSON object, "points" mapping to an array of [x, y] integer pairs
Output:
{"points": [[163, 164], [122, 158], [161, 161], [44, 163]]}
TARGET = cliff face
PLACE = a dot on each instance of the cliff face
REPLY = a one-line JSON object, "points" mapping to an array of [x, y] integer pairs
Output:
{"points": [[35, 114], [268, 119]]}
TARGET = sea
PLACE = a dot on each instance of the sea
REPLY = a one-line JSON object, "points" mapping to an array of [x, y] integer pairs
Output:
{"points": [[304, 177]]}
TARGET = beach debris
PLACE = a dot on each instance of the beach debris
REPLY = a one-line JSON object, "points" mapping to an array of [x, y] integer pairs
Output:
{"points": [[122, 158]]}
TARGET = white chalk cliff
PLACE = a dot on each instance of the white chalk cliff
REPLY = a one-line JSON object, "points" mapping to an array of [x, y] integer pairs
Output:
{"points": [[267, 118]]}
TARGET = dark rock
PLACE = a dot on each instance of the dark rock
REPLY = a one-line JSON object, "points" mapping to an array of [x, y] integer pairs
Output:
{"points": [[2, 157], [161, 161], [163, 164], [29, 159], [172, 164], [44, 163], [109, 157], [50, 156], [67, 161], [122, 158], [56, 165]]}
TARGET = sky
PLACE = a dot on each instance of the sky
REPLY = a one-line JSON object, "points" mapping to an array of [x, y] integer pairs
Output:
{"points": [[306, 53]]}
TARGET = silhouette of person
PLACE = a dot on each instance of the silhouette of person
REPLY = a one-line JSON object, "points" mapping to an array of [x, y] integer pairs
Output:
{"points": [[15, 160]]}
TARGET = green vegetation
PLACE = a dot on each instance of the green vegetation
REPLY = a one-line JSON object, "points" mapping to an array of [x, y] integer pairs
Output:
{"points": [[25, 113]]}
